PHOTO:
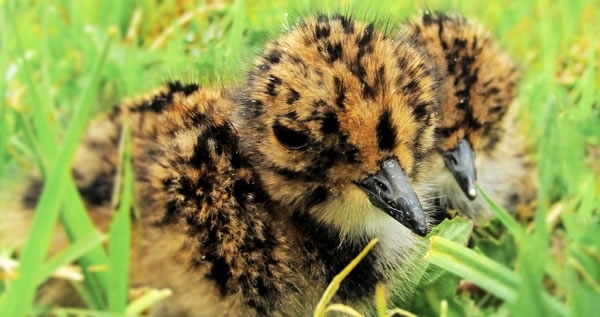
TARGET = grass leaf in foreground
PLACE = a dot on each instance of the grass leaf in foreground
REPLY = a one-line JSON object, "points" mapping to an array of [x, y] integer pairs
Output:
{"points": [[70, 254], [147, 300], [475, 267], [507, 220], [120, 230], [482, 271], [320, 310], [434, 285], [17, 300]]}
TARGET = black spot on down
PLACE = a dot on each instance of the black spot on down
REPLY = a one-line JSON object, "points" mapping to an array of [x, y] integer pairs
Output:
{"points": [[386, 134]]}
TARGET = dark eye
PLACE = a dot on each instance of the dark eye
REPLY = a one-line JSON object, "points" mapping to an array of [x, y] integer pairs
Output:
{"points": [[289, 138], [496, 109]]}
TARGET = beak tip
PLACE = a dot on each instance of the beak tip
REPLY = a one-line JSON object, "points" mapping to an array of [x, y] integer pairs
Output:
{"points": [[397, 198], [461, 163], [472, 192], [421, 230]]}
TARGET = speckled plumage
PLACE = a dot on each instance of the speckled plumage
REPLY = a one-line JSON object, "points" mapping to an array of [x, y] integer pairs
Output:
{"points": [[249, 198], [478, 105]]}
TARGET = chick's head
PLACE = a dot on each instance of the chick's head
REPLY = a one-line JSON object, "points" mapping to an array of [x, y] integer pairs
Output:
{"points": [[337, 119], [478, 87]]}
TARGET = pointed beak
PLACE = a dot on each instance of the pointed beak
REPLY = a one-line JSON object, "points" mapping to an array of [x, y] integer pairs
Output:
{"points": [[461, 163], [390, 191]]}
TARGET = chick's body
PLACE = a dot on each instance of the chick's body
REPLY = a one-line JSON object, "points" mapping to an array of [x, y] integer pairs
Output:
{"points": [[253, 200], [477, 137]]}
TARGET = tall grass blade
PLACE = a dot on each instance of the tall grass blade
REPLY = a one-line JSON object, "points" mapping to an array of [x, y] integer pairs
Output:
{"points": [[19, 296], [507, 220], [72, 253], [475, 267], [321, 307], [120, 231]]}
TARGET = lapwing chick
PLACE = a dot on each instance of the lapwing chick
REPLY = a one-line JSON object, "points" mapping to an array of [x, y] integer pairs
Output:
{"points": [[476, 134], [253, 199]]}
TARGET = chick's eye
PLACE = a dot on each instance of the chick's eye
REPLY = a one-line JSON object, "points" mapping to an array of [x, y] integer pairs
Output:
{"points": [[289, 138]]}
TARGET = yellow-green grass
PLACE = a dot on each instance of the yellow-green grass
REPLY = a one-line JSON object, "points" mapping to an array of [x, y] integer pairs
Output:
{"points": [[64, 61]]}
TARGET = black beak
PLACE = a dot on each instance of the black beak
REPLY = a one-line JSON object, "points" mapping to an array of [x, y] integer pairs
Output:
{"points": [[461, 162], [390, 191]]}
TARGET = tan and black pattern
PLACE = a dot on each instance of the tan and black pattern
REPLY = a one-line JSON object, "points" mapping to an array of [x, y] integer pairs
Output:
{"points": [[96, 160], [253, 199], [476, 134]]}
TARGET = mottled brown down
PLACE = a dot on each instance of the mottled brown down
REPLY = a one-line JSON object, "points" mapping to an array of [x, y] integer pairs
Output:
{"points": [[478, 104], [247, 196]]}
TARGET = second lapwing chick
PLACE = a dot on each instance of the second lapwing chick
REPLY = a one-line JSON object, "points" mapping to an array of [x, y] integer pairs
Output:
{"points": [[477, 137], [252, 199]]}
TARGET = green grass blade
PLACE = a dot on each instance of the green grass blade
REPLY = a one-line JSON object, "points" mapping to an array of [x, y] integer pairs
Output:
{"points": [[70, 254], [33, 145], [507, 220], [482, 271], [74, 312], [77, 225], [344, 309], [47, 133], [474, 267], [120, 233], [19, 296], [321, 307], [380, 300], [236, 34], [84, 293], [4, 128], [147, 300]]}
